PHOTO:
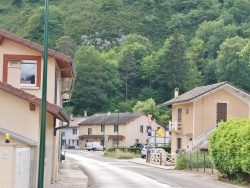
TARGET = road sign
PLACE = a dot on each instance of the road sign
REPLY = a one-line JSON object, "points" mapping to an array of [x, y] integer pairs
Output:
{"points": [[160, 132]]}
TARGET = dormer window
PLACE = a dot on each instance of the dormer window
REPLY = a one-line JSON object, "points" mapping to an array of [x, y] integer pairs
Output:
{"points": [[22, 71]]}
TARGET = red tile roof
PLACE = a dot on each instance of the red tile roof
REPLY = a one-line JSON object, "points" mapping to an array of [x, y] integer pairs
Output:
{"points": [[53, 109], [64, 62]]}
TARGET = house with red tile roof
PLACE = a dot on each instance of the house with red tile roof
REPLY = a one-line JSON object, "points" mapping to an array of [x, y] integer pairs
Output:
{"points": [[196, 113], [21, 65]]}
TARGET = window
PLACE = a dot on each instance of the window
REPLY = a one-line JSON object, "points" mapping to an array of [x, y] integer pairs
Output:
{"points": [[89, 131], [28, 73], [115, 128], [102, 128], [63, 133], [69, 141], [141, 128], [77, 142], [179, 115], [178, 143], [74, 131], [30, 69]]}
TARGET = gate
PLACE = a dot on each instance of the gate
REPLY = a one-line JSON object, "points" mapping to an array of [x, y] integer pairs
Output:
{"points": [[22, 176]]}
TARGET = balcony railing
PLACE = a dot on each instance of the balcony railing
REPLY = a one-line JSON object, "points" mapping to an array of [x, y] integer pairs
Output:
{"points": [[175, 127]]}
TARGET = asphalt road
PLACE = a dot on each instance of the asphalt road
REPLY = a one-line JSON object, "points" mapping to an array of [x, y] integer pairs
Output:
{"points": [[105, 172]]}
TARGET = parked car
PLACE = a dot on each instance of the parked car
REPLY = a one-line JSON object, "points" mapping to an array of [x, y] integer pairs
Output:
{"points": [[144, 150], [158, 150], [96, 146], [138, 145]]}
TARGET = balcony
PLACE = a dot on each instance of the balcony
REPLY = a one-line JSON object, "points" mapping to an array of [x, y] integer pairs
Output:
{"points": [[175, 127]]}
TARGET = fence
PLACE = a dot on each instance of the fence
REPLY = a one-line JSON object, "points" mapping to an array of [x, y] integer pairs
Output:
{"points": [[199, 161]]}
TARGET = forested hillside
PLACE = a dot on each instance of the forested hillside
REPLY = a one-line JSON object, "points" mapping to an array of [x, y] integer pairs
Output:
{"points": [[133, 50]]}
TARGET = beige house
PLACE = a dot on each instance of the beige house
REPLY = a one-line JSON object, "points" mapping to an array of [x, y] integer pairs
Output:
{"points": [[21, 65], [131, 129], [196, 113]]}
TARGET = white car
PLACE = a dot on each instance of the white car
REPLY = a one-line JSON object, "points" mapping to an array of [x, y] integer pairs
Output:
{"points": [[96, 146], [144, 150]]}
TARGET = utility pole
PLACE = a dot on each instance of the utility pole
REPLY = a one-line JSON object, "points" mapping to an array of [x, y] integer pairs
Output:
{"points": [[44, 100]]}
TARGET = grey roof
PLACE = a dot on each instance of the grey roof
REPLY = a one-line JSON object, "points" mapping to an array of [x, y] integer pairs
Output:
{"points": [[74, 121], [194, 93], [98, 119]]}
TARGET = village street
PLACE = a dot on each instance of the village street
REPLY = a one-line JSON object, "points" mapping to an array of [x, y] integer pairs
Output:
{"points": [[105, 172]]}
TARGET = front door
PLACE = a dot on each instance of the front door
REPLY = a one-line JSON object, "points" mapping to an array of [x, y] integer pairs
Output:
{"points": [[221, 112]]}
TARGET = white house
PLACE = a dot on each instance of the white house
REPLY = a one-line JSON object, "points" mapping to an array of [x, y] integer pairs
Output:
{"points": [[69, 135]]}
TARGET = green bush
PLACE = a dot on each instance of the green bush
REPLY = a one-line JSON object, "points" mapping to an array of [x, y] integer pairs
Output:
{"points": [[120, 154], [181, 163], [230, 148]]}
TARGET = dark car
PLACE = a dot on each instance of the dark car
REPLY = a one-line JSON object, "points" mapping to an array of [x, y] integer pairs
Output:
{"points": [[138, 145]]}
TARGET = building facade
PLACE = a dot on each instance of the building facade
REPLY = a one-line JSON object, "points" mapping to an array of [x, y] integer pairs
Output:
{"points": [[21, 63], [196, 113]]}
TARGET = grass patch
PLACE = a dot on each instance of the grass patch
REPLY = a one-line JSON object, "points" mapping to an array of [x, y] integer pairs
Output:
{"points": [[121, 154]]}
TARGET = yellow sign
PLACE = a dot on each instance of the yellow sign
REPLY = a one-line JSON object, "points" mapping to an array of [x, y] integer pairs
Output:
{"points": [[160, 132]]}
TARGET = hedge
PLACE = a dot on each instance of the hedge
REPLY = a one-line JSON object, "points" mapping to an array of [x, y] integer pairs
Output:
{"points": [[230, 148]]}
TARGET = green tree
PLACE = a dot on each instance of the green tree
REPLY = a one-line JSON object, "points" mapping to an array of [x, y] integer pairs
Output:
{"points": [[172, 66], [89, 92], [66, 45], [162, 114], [230, 65], [35, 26]]}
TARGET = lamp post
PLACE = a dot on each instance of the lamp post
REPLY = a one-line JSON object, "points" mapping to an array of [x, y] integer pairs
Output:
{"points": [[117, 128], [103, 130], [44, 100]]}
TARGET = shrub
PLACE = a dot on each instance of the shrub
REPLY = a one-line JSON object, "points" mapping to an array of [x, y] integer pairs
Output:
{"points": [[230, 148], [181, 163], [119, 154]]}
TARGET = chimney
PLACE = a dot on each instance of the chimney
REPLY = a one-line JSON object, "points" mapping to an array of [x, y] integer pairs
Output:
{"points": [[176, 92], [85, 113]]}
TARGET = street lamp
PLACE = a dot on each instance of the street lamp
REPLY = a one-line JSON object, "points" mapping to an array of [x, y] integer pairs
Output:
{"points": [[117, 126], [103, 130]]}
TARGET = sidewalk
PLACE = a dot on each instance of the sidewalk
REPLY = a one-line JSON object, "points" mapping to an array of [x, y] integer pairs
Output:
{"points": [[70, 176], [143, 162]]}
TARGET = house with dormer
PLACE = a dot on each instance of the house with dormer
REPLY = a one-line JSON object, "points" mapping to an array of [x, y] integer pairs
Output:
{"points": [[198, 112], [21, 66]]}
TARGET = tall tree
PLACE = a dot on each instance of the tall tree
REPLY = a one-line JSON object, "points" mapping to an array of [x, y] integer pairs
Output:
{"points": [[172, 69], [230, 65], [35, 26], [89, 92]]}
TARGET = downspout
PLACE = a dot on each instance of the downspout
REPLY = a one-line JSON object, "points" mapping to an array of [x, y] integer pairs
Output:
{"points": [[55, 165], [193, 125]]}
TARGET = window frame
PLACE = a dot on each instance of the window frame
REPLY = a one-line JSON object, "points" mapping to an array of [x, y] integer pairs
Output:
{"points": [[7, 57], [141, 128], [89, 131]]}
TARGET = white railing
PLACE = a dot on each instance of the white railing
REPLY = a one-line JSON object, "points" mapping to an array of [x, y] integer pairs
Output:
{"points": [[201, 140], [174, 126], [162, 159]]}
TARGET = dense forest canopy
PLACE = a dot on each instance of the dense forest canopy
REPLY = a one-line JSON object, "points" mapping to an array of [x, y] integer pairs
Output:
{"points": [[127, 51]]}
